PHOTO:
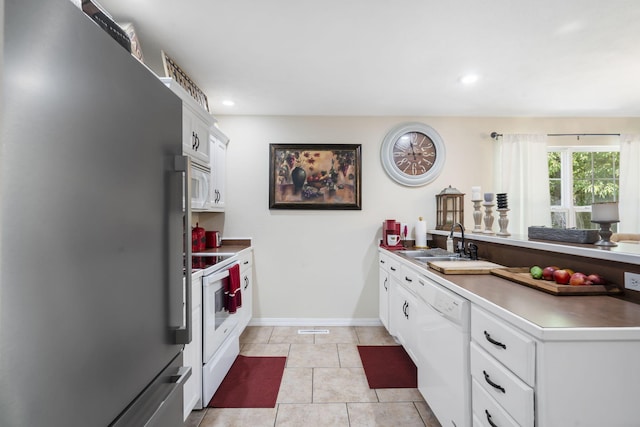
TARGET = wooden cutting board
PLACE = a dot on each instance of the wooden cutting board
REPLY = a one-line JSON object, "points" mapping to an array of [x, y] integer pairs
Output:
{"points": [[464, 267], [522, 276]]}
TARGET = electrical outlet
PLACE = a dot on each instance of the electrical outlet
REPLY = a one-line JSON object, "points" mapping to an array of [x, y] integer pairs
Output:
{"points": [[632, 281]]}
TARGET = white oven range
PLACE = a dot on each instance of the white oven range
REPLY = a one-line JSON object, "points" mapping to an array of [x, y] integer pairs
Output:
{"points": [[220, 336]]}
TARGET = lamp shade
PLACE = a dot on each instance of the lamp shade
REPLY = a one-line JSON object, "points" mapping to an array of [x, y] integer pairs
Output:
{"points": [[605, 212]]}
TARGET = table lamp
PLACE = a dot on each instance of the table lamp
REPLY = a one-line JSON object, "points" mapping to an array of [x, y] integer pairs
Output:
{"points": [[605, 214]]}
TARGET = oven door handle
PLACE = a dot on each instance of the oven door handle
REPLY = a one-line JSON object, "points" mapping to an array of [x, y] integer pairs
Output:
{"points": [[215, 277]]}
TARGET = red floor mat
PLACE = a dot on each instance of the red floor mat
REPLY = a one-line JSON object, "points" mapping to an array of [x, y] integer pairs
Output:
{"points": [[388, 366]]}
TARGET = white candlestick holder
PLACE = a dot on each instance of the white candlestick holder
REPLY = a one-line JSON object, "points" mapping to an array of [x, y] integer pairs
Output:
{"points": [[503, 222], [477, 216], [488, 217]]}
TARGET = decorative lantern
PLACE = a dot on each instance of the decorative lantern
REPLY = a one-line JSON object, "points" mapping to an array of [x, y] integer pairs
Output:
{"points": [[450, 208]]}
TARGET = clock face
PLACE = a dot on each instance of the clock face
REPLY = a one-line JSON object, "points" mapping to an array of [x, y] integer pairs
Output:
{"points": [[412, 154]]}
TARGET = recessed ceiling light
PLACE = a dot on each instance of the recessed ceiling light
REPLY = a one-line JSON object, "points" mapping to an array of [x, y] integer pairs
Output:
{"points": [[469, 79], [228, 103]]}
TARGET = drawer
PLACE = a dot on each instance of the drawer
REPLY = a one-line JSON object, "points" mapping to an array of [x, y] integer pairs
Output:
{"points": [[510, 392], [486, 410], [512, 348], [245, 261], [409, 278], [389, 264]]}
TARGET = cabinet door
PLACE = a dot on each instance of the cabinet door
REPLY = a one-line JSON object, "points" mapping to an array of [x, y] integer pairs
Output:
{"points": [[218, 147], [383, 291], [403, 317], [246, 281], [247, 297], [192, 353], [195, 136], [193, 357]]}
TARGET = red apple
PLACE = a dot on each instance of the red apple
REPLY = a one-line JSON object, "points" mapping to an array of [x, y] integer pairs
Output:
{"points": [[561, 277], [596, 279], [579, 279], [547, 273]]}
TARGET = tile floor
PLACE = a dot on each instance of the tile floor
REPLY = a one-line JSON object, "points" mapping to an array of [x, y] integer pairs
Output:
{"points": [[323, 384]]}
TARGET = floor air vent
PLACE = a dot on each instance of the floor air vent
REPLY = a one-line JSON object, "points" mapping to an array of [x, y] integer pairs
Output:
{"points": [[312, 331]]}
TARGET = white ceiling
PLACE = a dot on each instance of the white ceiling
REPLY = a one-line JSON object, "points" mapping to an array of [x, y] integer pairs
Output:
{"points": [[399, 57]]}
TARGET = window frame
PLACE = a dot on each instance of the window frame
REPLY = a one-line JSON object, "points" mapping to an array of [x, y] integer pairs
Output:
{"points": [[566, 178]]}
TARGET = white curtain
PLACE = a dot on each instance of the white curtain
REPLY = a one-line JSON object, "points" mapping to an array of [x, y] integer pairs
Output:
{"points": [[522, 172], [629, 200]]}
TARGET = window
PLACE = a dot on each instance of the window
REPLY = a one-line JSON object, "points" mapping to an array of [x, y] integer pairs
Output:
{"points": [[578, 177]]}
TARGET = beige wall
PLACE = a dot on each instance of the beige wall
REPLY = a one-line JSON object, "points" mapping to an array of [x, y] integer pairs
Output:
{"points": [[323, 264]]}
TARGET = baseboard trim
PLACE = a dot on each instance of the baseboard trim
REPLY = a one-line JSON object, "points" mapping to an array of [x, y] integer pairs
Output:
{"points": [[288, 321]]}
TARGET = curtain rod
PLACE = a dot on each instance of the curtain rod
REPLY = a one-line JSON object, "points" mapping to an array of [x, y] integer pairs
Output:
{"points": [[496, 135]]}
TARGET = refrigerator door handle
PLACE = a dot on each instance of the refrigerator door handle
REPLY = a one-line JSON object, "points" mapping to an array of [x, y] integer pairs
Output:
{"points": [[183, 165], [150, 409], [183, 374]]}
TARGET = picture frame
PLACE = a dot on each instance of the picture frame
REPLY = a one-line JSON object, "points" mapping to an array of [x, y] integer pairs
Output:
{"points": [[173, 70], [315, 176]]}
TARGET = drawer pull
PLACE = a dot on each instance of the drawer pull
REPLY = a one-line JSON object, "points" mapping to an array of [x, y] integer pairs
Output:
{"points": [[494, 342], [392, 268], [491, 423], [491, 383], [407, 279], [381, 261]]}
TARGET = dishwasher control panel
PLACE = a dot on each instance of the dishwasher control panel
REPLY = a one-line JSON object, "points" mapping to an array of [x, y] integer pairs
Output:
{"points": [[448, 306]]}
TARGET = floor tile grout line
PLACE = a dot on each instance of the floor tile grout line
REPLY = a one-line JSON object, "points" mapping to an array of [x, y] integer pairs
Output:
{"points": [[346, 407], [313, 376], [421, 417]]}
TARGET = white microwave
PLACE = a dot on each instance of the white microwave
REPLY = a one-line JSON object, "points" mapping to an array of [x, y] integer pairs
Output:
{"points": [[200, 179]]}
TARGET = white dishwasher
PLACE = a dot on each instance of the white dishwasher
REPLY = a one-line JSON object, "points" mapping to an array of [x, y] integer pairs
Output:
{"points": [[444, 377]]}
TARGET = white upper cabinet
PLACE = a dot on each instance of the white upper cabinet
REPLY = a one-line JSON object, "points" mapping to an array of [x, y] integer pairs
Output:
{"points": [[196, 123], [206, 145], [218, 151], [195, 135]]}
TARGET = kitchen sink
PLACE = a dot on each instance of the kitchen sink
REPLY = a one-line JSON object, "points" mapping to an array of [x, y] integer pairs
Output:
{"points": [[434, 254], [426, 259], [427, 253]]}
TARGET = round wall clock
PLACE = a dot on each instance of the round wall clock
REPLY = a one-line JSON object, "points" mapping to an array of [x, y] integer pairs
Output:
{"points": [[412, 154]]}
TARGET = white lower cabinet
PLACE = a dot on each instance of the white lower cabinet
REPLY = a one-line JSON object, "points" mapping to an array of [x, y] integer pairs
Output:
{"points": [[387, 266], [192, 354], [503, 371], [506, 389], [486, 411], [403, 317], [246, 281], [566, 377]]}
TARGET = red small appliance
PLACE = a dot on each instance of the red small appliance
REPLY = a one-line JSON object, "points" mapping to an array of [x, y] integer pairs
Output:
{"points": [[391, 237], [198, 244], [213, 239]]}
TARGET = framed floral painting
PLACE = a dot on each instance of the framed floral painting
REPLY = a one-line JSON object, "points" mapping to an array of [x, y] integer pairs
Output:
{"points": [[315, 176]]}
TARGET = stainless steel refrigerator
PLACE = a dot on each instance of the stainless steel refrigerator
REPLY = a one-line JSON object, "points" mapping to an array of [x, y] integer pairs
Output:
{"points": [[91, 228]]}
